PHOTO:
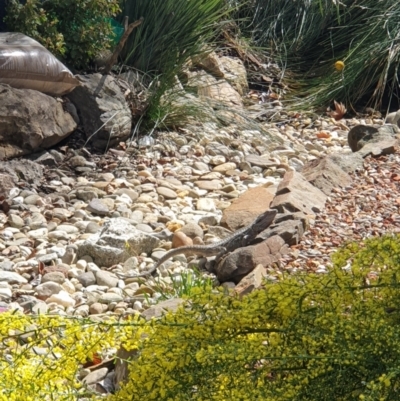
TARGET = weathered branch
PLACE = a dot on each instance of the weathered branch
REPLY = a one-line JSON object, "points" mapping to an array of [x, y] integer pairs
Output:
{"points": [[121, 44]]}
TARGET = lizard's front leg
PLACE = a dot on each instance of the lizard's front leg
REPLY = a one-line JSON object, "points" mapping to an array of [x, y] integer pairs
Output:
{"points": [[221, 252]]}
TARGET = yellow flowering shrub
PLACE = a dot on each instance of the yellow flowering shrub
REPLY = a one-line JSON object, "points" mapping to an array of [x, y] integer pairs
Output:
{"points": [[40, 356], [308, 337], [315, 337]]}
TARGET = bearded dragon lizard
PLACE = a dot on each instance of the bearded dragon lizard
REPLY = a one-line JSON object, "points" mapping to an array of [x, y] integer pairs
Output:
{"points": [[238, 239]]}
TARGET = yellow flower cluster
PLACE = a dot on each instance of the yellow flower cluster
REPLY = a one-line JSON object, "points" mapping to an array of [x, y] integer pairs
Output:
{"points": [[41, 355]]}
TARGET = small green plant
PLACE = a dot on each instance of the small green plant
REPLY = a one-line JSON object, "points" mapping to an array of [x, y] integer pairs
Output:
{"points": [[186, 284], [74, 30]]}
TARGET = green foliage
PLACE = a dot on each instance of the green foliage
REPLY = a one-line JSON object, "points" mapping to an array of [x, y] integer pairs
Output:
{"points": [[74, 30], [172, 32], [333, 336], [308, 337]]}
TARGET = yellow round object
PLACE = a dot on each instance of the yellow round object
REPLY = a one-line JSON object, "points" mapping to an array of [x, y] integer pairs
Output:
{"points": [[339, 65]]}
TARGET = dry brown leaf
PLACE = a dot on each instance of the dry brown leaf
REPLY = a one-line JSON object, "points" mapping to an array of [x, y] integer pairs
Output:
{"points": [[339, 112], [323, 135]]}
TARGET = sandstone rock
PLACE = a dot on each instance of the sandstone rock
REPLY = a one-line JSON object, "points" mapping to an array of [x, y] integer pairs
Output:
{"points": [[92, 228], [98, 206], [211, 185], [36, 220], [21, 170], [7, 183], [5, 294], [167, 193], [109, 297], [246, 208], [224, 167], [30, 121], [61, 268], [99, 101], [383, 147], [295, 194], [15, 221], [216, 148], [214, 90], [325, 175], [211, 63], [348, 162], [242, 261], [117, 243], [260, 161], [130, 192], [96, 376], [12, 278], [97, 308], [235, 73], [206, 205], [252, 281]]}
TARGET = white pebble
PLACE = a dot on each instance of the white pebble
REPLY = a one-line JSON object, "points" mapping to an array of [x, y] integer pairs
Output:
{"points": [[137, 305], [62, 298]]}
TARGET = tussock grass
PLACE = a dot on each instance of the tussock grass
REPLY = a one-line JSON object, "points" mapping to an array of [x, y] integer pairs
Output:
{"points": [[309, 36]]}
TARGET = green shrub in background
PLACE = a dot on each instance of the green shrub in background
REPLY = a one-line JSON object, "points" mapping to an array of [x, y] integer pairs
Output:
{"points": [[334, 336], [74, 30]]}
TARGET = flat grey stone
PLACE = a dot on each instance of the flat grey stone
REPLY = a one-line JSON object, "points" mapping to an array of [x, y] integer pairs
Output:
{"points": [[55, 277], [106, 279], [97, 206], [167, 193], [87, 279], [15, 221], [12, 278], [45, 290], [92, 228], [109, 297]]}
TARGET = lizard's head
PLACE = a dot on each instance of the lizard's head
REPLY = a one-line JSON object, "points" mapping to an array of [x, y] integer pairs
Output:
{"points": [[264, 220]]}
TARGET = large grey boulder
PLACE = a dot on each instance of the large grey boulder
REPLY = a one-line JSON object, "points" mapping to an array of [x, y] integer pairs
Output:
{"points": [[30, 121], [23, 171], [116, 243], [100, 101]]}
